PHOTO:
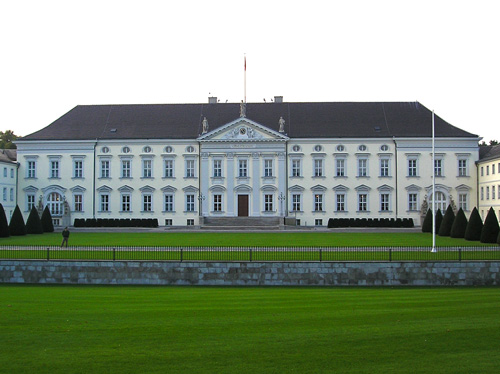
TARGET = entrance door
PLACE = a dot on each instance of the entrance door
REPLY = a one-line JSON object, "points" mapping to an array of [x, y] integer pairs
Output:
{"points": [[242, 205]]}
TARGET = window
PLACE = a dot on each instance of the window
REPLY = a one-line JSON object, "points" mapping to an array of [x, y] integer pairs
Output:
{"points": [[462, 201], [242, 168], [190, 222], [78, 203], [104, 202], [126, 173], [5, 172], [190, 149], [54, 169], [412, 202], [438, 168], [487, 192], [168, 168], [168, 149], [5, 194], [268, 203], [168, 203], [78, 169], [362, 148], [482, 193], [190, 203], [296, 202], [11, 194], [31, 169], [462, 168], [440, 201], [126, 150], [318, 222], [147, 203], [30, 201], [104, 168], [487, 169], [493, 192], [11, 173], [340, 148], [189, 168], [147, 168], [384, 202], [54, 201], [147, 149], [482, 171], [384, 167], [105, 150], [340, 167], [126, 203], [268, 168], [412, 167], [340, 202], [318, 168], [217, 168], [362, 167], [318, 148], [384, 148], [217, 203], [168, 222], [493, 169], [296, 148], [296, 166], [362, 202], [318, 202]]}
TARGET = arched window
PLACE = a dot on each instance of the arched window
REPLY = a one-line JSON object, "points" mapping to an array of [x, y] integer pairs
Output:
{"points": [[54, 202], [440, 202]]}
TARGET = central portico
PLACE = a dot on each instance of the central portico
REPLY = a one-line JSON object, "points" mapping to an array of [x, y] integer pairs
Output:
{"points": [[242, 170]]}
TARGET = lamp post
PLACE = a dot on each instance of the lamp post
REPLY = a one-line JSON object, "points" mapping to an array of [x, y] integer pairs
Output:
{"points": [[281, 198]]}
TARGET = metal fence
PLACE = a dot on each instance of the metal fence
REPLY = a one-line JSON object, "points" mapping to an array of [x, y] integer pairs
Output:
{"points": [[247, 254]]}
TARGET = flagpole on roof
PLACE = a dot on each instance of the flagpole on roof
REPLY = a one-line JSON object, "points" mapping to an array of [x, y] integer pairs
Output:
{"points": [[245, 79], [433, 188]]}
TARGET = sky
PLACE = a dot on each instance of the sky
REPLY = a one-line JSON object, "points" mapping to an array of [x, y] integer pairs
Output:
{"points": [[56, 55]]}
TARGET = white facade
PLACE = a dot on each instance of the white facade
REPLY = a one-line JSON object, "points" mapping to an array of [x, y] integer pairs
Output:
{"points": [[8, 182], [489, 186], [244, 168]]}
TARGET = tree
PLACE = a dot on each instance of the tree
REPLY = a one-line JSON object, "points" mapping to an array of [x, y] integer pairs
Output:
{"points": [[427, 224], [17, 226], [4, 225], [474, 227], [47, 224], [492, 142], [498, 239], [459, 225], [7, 138], [34, 224], [439, 220], [489, 233], [449, 217]]}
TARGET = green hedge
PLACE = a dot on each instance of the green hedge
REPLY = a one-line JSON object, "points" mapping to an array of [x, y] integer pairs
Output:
{"points": [[370, 222], [116, 222]]}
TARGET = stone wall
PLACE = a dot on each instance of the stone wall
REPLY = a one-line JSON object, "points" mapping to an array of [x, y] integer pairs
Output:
{"points": [[253, 273]]}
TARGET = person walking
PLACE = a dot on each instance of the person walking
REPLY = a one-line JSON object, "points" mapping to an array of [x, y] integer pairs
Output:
{"points": [[65, 235]]}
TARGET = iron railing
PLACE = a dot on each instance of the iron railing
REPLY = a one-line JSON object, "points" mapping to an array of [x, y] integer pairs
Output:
{"points": [[247, 254]]}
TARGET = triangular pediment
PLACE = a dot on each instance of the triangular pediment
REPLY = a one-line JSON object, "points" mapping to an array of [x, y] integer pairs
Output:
{"points": [[243, 130]]}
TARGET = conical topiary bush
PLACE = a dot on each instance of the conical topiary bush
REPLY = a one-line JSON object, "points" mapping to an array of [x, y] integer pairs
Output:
{"points": [[459, 225], [427, 224], [449, 217], [439, 220], [489, 233], [474, 227], [47, 224], [4, 225], [17, 226], [34, 224]]}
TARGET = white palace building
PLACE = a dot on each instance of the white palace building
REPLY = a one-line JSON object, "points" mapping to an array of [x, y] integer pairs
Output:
{"points": [[187, 164]]}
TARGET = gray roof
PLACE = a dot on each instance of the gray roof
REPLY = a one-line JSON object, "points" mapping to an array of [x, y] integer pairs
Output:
{"points": [[8, 155], [489, 152], [303, 120]]}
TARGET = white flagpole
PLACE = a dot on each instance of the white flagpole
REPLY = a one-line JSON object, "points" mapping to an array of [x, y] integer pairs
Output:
{"points": [[245, 80], [433, 188]]}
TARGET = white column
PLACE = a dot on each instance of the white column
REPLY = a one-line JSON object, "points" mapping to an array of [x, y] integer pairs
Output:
{"points": [[230, 184], [282, 181], [256, 166], [204, 183]]}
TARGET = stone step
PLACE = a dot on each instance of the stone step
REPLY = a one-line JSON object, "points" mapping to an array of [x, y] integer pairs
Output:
{"points": [[241, 221]]}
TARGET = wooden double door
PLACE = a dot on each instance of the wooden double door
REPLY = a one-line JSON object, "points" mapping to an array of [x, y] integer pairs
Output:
{"points": [[242, 205]]}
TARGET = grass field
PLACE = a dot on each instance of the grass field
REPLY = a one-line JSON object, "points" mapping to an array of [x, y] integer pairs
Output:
{"points": [[281, 239], [68, 329]]}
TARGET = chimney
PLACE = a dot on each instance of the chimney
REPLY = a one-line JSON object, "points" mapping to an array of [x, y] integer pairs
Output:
{"points": [[212, 100], [278, 99]]}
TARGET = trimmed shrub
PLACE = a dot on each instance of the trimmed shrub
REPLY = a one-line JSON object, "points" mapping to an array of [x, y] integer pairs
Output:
{"points": [[474, 227], [489, 233], [439, 220], [47, 224], [427, 224], [4, 225], [17, 226], [449, 217], [459, 225], [498, 239], [34, 224]]}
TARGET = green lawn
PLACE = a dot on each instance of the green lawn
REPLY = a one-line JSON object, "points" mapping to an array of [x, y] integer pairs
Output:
{"points": [[281, 239], [68, 329]]}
